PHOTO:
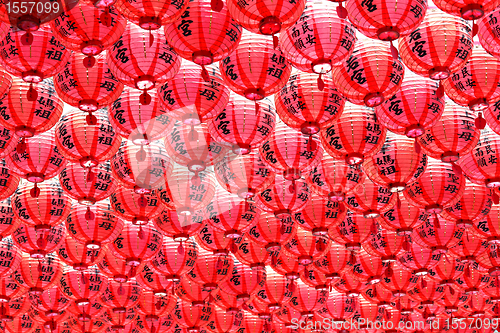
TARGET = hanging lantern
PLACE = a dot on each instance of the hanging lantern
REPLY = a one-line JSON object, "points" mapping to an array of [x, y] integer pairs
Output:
{"points": [[193, 97], [118, 297], [151, 16], [368, 269], [38, 274], [224, 322], [243, 282], [378, 295], [384, 244], [474, 205], [319, 215], [251, 254], [439, 235], [412, 110], [85, 28], [351, 232], [153, 308], [137, 244], [173, 260], [252, 77], [86, 144], [370, 199], [492, 289], [426, 295], [8, 141], [305, 107], [470, 247], [185, 193], [396, 164], [211, 239], [306, 300], [468, 10], [283, 199], [327, 40], [338, 307], [10, 256], [114, 267], [419, 259], [480, 163], [149, 60], [164, 325], [209, 270], [437, 188], [35, 61], [306, 247], [230, 214], [150, 279], [193, 292], [10, 289], [16, 307], [39, 242], [288, 266], [341, 141], [333, 262], [398, 280], [9, 182], [483, 70], [487, 32], [286, 315], [193, 147], [142, 168], [87, 88], [473, 280], [334, 178], [447, 271], [403, 217], [244, 175], [39, 159], [238, 124], [118, 321], [8, 221], [288, 152], [367, 82], [77, 255], [48, 209], [177, 226], [204, 35], [142, 124], [192, 317], [490, 261], [94, 229], [21, 324], [83, 286], [386, 21], [441, 45], [489, 226], [75, 182], [34, 115], [275, 291], [227, 302]]}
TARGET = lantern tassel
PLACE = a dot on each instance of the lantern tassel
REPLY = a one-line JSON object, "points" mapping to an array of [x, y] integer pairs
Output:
{"points": [[141, 154], [398, 201], [274, 259], [257, 108], [217, 5], [180, 248], [321, 83], [437, 225], [292, 187], [341, 11], [204, 74], [153, 328], [452, 291], [352, 258], [82, 278], [89, 215], [141, 232], [389, 271], [232, 246], [142, 201], [394, 51], [311, 144], [90, 175], [35, 191], [291, 286], [151, 38], [21, 146], [406, 243], [495, 197], [475, 29], [219, 263], [440, 90], [193, 134], [374, 293], [480, 122], [196, 180], [89, 61], [32, 94], [92, 255], [275, 41], [247, 205], [417, 147], [158, 305], [106, 17], [91, 119], [40, 269], [27, 38], [423, 283], [121, 290], [40, 242]]}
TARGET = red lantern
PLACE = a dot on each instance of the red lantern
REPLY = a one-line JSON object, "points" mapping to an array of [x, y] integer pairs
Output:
{"points": [[355, 135], [338, 307], [367, 268], [473, 280], [263, 75], [33, 62], [447, 271], [288, 266], [141, 168], [305, 107], [150, 279], [118, 297], [451, 300], [153, 308], [48, 209], [306, 247], [438, 187], [334, 262], [91, 30], [427, 294], [39, 242], [211, 239], [192, 97], [351, 232], [96, 229], [8, 141], [243, 282], [470, 247], [441, 45], [319, 215], [306, 300], [83, 286], [118, 321], [384, 244], [8, 181], [8, 221], [333, 38], [419, 259], [240, 126], [77, 255], [415, 108], [349, 286], [34, 115], [481, 68], [39, 159], [227, 302], [287, 314], [11, 257], [142, 124], [87, 88], [275, 292], [173, 261], [192, 317], [224, 322], [367, 82], [334, 178], [487, 27], [398, 280], [468, 10], [230, 214], [137, 244], [164, 325], [480, 164], [208, 36], [403, 217], [179, 227], [477, 305], [209, 270], [18, 307], [489, 226], [149, 59], [75, 182], [474, 205], [87, 144], [244, 175], [396, 164], [38, 274], [439, 235], [21, 324], [492, 289], [283, 199], [10, 289], [193, 292], [137, 208], [386, 21], [114, 267], [251, 254], [370, 199], [378, 295], [151, 16]]}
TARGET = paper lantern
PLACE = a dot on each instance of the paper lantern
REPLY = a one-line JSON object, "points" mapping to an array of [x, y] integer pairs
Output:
{"points": [[8, 221], [472, 10], [419, 259], [179, 227], [334, 261], [487, 31], [243, 282], [370, 200], [209, 270], [83, 286], [151, 16], [438, 234], [306, 300], [174, 261], [77, 255], [39, 242], [150, 279], [119, 296], [351, 232], [306, 247], [137, 244], [38, 274], [320, 214], [271, 232], [114, 267]]}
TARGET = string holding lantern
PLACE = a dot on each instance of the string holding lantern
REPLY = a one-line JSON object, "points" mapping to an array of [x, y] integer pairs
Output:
{"points": [[327, 40], [243, 129], [88, 89], [141, 61], [364, 82]]}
